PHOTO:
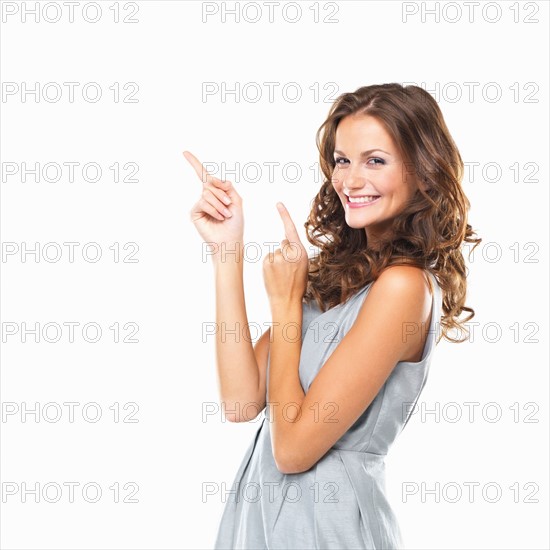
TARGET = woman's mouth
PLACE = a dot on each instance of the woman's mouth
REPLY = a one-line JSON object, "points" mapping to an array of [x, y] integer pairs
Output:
{"points": [[359, 202]]}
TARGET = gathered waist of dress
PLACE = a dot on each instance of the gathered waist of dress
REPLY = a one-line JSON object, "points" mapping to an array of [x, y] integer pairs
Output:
{"points": [[364, 455]]}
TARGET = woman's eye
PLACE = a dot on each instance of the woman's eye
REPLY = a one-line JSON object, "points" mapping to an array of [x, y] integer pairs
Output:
{"points": [[379, 160], [374, 160], [337, 159]]}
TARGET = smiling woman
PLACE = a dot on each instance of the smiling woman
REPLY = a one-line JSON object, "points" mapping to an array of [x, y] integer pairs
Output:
{"points": [[391, 141], [389, 221]]}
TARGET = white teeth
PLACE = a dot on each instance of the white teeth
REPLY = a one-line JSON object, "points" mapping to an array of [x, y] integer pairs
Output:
{"points": [[363, 199]]}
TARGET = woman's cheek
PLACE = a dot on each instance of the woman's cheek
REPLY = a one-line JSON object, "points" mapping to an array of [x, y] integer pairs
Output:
{"points": [[339, 178]]}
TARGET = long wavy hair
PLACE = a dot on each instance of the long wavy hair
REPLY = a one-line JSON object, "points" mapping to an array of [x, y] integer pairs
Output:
{"points": [[428, 233]]}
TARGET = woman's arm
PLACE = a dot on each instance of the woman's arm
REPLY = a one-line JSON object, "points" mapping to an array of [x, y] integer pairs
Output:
{"points": [[240, 367], [381, 336], [241, 381]]}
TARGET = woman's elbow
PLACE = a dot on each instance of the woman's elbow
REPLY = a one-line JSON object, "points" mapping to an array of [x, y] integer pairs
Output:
{"points": [[235, 411], [290, 462]]}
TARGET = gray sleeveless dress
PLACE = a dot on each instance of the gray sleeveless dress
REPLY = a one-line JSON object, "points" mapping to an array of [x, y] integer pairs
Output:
{"points": [[340, 502]]}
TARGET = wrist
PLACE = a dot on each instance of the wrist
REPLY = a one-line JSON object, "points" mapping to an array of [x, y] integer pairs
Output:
{"points": [[286, 308], [229, 253]]}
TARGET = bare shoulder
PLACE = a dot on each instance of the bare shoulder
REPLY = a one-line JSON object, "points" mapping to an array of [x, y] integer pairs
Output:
{"points": [[401, 291], [397, 307], [407, 280]]}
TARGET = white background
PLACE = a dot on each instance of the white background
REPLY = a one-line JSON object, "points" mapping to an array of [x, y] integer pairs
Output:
{"points": [[170, 452]]}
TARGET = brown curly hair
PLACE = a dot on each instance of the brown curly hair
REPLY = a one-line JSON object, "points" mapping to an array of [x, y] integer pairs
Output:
{"points": [[428, 233]]}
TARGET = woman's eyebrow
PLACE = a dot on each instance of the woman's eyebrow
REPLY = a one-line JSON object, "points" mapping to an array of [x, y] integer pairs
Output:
{"points": [[365, 153]]}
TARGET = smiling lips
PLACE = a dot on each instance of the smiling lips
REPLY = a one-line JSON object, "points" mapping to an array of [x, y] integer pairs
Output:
{"points": [[363, 200]]}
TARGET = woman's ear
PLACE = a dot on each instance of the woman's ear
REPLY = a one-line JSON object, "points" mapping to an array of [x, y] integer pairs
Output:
{"points": [[423, 183], [419, 180]]}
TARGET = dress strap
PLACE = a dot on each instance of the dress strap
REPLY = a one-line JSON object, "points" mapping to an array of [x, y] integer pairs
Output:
{"points": [[431, 280]]}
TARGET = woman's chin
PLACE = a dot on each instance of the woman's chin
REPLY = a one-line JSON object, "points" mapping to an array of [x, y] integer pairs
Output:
{"points": [[354, 223]]}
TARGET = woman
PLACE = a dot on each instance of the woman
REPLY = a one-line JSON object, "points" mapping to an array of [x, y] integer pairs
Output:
{"points": [[389, 222]]}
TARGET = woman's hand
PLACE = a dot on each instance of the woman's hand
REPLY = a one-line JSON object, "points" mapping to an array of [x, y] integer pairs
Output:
{"points": [[208, 213], [285, 271]]}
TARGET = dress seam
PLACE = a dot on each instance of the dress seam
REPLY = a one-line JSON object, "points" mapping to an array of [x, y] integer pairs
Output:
{"points": [[315, 510], [377, 417]]}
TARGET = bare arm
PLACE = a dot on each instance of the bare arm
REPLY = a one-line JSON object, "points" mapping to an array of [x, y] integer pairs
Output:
{"points": [[354, 372], [241, 367]]}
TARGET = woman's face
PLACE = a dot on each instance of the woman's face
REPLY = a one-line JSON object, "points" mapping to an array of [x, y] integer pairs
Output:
{"points": [[368, 163]]}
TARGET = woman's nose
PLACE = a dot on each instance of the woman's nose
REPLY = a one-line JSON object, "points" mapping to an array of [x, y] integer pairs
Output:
{"points": [[353, 181]]}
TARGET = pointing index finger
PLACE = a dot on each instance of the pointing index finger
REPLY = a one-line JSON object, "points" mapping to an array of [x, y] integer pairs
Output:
{"points": [[200, 170], [290, 229]]}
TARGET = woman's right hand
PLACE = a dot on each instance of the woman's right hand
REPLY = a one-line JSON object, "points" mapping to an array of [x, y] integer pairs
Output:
{"points": [[208, 213]]}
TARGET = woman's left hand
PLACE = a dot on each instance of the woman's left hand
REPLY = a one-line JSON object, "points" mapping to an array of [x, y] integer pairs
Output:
{"points": [[285, 271]]}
